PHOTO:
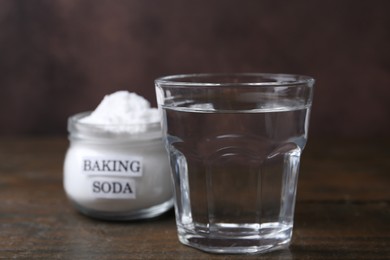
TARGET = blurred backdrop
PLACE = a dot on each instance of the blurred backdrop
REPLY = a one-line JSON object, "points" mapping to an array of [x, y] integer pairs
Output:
{"points": [[60, 57]]}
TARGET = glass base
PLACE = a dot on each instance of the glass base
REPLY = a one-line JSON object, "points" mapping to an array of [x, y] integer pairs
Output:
{"points": [[238, 239], [126, 215]]}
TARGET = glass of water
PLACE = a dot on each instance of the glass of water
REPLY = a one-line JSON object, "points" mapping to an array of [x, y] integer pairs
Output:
{"points": [[234, 143]]}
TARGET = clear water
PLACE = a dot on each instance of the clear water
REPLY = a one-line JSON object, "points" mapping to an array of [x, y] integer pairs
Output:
{"points": [[235, 175]]}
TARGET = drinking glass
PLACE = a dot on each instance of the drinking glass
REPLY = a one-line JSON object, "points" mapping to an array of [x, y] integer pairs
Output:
{"points": [[234, 143]]}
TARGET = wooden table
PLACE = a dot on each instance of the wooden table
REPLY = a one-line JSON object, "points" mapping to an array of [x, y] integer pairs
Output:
{"points": [[342, 211]]}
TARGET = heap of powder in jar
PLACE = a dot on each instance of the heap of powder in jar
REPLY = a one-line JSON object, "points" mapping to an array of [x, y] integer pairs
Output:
{"points": [[122, 108], [91, 181]]}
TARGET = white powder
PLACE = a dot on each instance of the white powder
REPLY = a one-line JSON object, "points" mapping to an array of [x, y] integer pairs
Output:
{"points": [[129, 112], [101, 191]]}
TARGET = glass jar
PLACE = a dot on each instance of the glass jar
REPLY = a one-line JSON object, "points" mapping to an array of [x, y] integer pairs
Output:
{"points": [[117, 172]]}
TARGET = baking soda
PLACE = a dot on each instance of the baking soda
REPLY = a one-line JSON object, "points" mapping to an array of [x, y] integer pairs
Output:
{"points": [[116, 166]]}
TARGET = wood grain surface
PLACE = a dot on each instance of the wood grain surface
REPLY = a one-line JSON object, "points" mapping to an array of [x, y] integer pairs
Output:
{"points": [[342, 211]]}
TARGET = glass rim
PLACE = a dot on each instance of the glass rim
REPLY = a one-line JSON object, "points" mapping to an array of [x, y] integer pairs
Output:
{"points": [[290, 80], [111, 132], [75, 120]]}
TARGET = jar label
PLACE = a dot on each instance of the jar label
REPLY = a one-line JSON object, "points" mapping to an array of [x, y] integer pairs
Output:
{"points": [[112, 188], [126, 166]]}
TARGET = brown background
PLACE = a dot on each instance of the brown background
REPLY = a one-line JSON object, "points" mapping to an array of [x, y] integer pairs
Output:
{"points": [[60, 57]]}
